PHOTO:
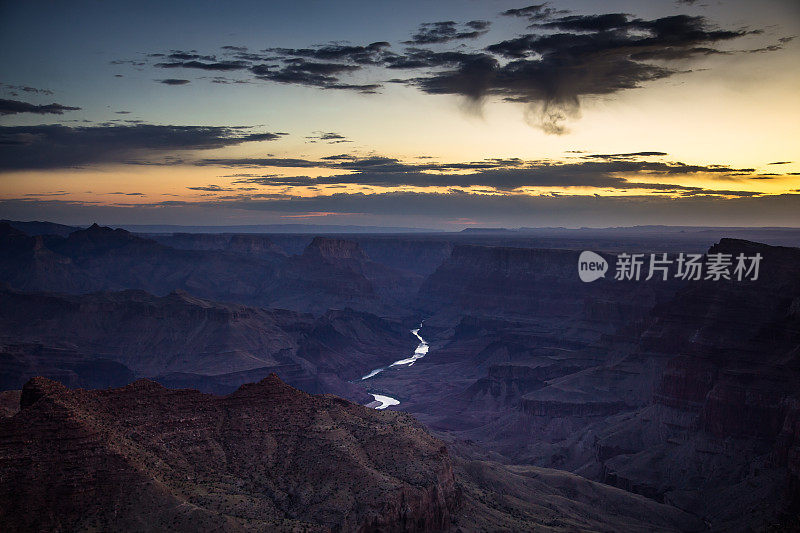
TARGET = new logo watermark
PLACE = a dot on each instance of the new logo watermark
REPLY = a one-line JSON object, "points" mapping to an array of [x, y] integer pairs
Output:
{"points": [[691, 267], [591, 266]]}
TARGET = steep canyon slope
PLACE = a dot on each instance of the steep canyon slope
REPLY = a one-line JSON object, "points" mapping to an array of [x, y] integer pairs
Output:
{"points": [[270, 457]]}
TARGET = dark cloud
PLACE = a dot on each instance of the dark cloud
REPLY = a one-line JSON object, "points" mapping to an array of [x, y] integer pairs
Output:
{"points": [[324, 66], [566, 58], [266, 136], [364, 88], [131, 62], [181, 55], [631, 155], [274, 179], [38, 194], [303, 72], [500, 174], [210, 188], [338, 157], [780, 163], [566, 210], [589, 23], [418, 58], [499, 180], [328, 137], [446, 31], [320, 66], [12, 107], [253, 162], [589, 55], [311, 73], [478, 24], [224, 80], [54, 146], [534, 12], [25, 88], [370, 54], [221, 66], [173, 81]]}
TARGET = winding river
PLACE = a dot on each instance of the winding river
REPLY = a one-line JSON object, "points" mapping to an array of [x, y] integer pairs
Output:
{"points": [[382, 400]]}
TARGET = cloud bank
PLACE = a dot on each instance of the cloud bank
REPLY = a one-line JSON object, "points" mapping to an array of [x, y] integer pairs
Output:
{"points": [[560, 59], [58, 146]]}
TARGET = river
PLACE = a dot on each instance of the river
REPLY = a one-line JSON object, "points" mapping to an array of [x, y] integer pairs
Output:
{"points": [[382, 400]]}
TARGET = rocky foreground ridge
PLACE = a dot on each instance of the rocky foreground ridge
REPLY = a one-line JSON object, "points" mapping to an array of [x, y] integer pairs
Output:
{"points": [[269, 457]]}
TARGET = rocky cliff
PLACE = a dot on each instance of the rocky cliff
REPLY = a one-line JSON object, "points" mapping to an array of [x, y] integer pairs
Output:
{"points": [[238, 268], [335, 249], [267, 457], [537, 286], [271, 458], [104, 339], [338, 269], [723, 412], [259, 246], [689, 399]]}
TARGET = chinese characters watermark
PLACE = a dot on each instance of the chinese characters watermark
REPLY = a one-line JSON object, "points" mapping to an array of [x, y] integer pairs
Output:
{"points": [[662, 266]]}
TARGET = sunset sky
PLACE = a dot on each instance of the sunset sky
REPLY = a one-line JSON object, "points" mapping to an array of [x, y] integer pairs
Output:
{"points": [[444, 114]]}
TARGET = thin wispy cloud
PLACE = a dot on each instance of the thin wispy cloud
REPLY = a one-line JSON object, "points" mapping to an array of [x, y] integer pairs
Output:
{"points": [[328, 137], [14, 107]]}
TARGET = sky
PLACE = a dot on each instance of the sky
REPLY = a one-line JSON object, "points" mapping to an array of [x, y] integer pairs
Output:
{"points": [[445, 115]]}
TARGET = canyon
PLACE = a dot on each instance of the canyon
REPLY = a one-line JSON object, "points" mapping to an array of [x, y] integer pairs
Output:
{"points": [[541, 401]]}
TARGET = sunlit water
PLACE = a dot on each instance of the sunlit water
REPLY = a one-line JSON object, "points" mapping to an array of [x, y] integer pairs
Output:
{"points": [[419, 353], [385, 401]]}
